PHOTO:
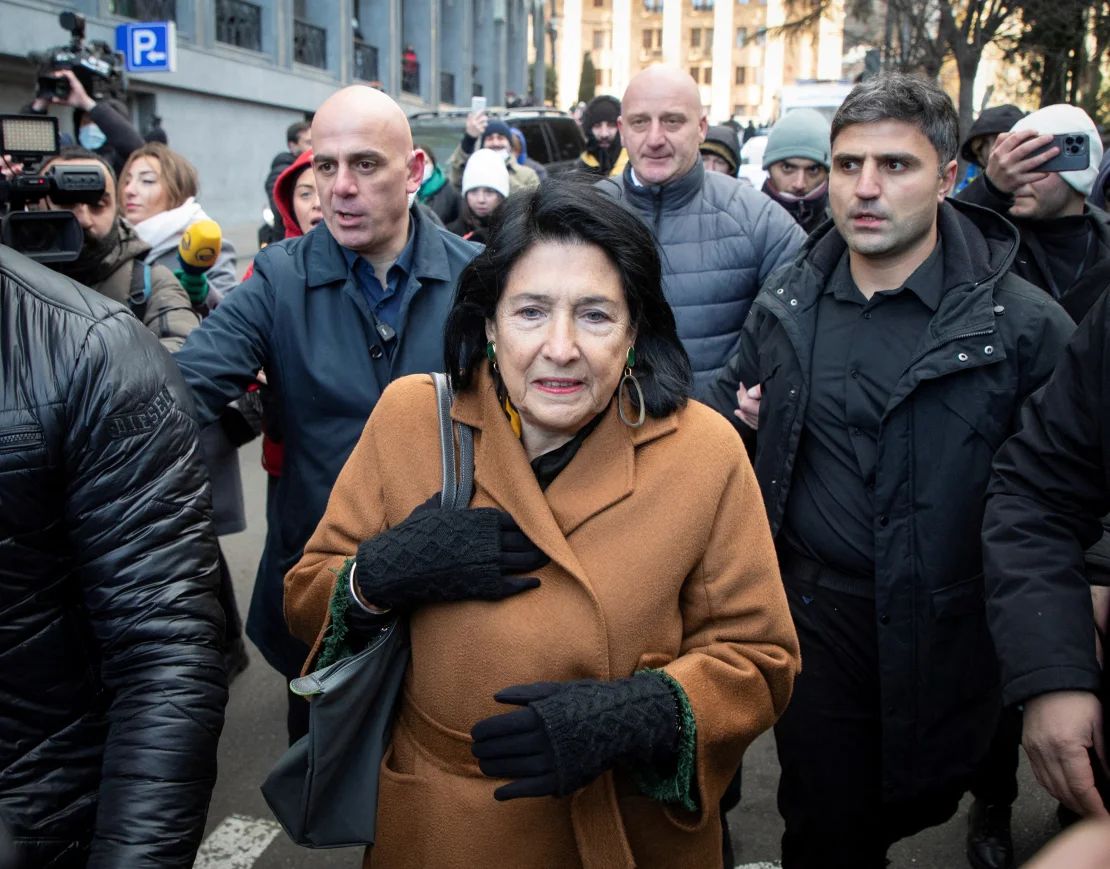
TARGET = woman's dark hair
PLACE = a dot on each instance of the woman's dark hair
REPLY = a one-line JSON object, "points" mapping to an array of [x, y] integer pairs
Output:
{"points": [[570, 210]]}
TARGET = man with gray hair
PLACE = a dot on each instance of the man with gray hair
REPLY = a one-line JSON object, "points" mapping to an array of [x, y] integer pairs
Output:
{"points": [[882, 369]]}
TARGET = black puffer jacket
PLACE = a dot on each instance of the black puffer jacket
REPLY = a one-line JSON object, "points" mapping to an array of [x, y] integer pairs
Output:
{"points": [[110, 669], [991, 342]]}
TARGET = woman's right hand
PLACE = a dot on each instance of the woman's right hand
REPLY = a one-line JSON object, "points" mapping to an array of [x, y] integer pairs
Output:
{"points": [[439, 555]]}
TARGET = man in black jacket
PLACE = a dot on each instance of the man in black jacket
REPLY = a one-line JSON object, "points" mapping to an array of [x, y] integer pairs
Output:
{"points": [[1050, 488], [604, 154], [1065, 242], [882, 369], [112, 676], [1065, 250]]}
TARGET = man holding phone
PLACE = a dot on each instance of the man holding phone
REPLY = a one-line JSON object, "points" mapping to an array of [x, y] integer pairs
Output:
{"points": [[482, 131], [1039, 175]]}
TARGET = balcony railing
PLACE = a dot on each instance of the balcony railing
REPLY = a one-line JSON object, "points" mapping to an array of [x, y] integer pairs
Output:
{"points": [[239, 23], [447, 87], [145, 10], [410, 75], [310, 45], [366, 61]]}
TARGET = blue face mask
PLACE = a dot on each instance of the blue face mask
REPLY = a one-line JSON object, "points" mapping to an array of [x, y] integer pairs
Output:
{"points": [[91, 136]]}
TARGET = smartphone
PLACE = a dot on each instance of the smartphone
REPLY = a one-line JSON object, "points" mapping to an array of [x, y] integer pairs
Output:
{"points": [[1074, 153], [477, 104]]}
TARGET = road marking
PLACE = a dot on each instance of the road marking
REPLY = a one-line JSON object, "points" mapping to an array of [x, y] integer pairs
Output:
{"points": [[236, 843]]}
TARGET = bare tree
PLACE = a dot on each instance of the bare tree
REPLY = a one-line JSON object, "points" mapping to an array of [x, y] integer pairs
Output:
{"points": [[968, 27]]}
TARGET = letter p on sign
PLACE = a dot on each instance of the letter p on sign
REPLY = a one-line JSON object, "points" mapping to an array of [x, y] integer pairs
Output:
{"points": [[148, 47]]}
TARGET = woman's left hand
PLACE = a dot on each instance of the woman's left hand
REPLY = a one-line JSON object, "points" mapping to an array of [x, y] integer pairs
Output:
{"points": [[569, 733]]}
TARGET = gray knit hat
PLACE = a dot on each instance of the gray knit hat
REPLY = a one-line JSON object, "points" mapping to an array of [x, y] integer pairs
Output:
{"points": [[802, 133]]}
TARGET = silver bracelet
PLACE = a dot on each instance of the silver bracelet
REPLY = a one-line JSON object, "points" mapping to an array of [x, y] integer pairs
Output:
{"points": [[357, 597]]}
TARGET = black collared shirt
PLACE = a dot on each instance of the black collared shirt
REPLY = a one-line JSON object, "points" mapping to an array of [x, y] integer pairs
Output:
{"points": [[860, 351]]}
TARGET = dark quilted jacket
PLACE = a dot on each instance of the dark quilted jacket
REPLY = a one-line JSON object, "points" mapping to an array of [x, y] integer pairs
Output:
{"points": [[110, 671], [719, 240]]}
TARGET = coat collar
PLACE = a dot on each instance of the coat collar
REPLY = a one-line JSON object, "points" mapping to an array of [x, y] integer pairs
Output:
{"points": [[327, 265], [979, 247], [602, 473], [671, 195]]}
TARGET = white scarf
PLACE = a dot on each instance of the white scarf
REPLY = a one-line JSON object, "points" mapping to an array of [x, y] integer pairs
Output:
{"points": [[169, 225]]}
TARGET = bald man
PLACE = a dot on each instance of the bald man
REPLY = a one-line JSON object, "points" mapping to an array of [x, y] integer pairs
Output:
{"points": [[332, 317], [719, 238]]}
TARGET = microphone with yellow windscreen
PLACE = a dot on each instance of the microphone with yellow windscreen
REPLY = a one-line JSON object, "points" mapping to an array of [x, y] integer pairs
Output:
{"points": [[200, 247]]}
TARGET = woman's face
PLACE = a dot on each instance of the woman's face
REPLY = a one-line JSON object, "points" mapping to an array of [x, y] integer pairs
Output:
{"points": [[143, 193], [306, 201], [562, 332]]}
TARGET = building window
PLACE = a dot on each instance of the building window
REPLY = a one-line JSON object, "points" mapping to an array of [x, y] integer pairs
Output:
{"points": [[653, 5], [446, 87], [239, 23], [145, 10], [410, 71], [702, 5], [653, 39], [695, 37], [366, 61], [741, 75], [598, 4], [741, 37], [601, 40], [601, 78], [707, 75], [310, 44]]}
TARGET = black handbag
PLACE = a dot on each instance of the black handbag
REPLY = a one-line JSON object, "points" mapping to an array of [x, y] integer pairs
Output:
{"points": [[324, 789]]}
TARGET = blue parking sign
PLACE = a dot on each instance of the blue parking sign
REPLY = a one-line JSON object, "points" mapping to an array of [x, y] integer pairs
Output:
{"points": [[148, 46]]}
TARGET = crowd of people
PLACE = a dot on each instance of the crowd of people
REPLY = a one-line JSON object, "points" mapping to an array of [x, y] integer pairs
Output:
{"points": [[828, 456]]}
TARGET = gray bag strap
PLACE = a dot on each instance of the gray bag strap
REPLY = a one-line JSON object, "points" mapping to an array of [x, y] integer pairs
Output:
{"points": [[458, 480]]}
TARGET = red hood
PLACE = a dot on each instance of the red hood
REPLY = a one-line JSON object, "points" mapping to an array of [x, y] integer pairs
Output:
{"points": [[283, 194]]}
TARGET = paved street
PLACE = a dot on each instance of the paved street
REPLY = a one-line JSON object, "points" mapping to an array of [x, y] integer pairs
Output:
{"points": [[240, 834]]}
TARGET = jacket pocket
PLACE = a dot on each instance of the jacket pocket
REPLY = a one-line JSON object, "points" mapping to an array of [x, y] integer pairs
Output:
{"points": [[988, 412], [21, 438], [959, 599], [959, 665], [404, 803]]}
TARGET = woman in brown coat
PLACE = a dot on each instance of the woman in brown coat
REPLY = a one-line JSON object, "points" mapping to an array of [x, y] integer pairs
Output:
{"points": [[592, 712]]}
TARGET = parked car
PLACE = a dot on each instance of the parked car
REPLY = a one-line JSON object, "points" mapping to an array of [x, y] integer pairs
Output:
{"points": [[551, 136]]}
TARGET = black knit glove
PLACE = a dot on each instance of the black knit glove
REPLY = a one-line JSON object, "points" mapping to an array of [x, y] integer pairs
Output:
{"points": [[446, 555], [569, 733]]}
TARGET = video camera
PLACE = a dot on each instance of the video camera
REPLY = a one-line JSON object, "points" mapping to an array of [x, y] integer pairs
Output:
{"points": [[97, 65], [45, 236]]}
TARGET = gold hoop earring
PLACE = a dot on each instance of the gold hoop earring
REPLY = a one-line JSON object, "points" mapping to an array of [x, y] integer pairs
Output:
{"points": [[628, 383]]}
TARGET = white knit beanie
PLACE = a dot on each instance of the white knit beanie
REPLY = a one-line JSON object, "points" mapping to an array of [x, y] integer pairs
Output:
{"points": [[486, 168], [1062, 118]]}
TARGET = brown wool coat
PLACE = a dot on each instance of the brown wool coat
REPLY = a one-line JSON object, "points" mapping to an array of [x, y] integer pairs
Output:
{"points": [[661, 556]]}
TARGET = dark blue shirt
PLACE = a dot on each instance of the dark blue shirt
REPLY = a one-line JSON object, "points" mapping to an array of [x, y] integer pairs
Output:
{"points": [[385, 301]]}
